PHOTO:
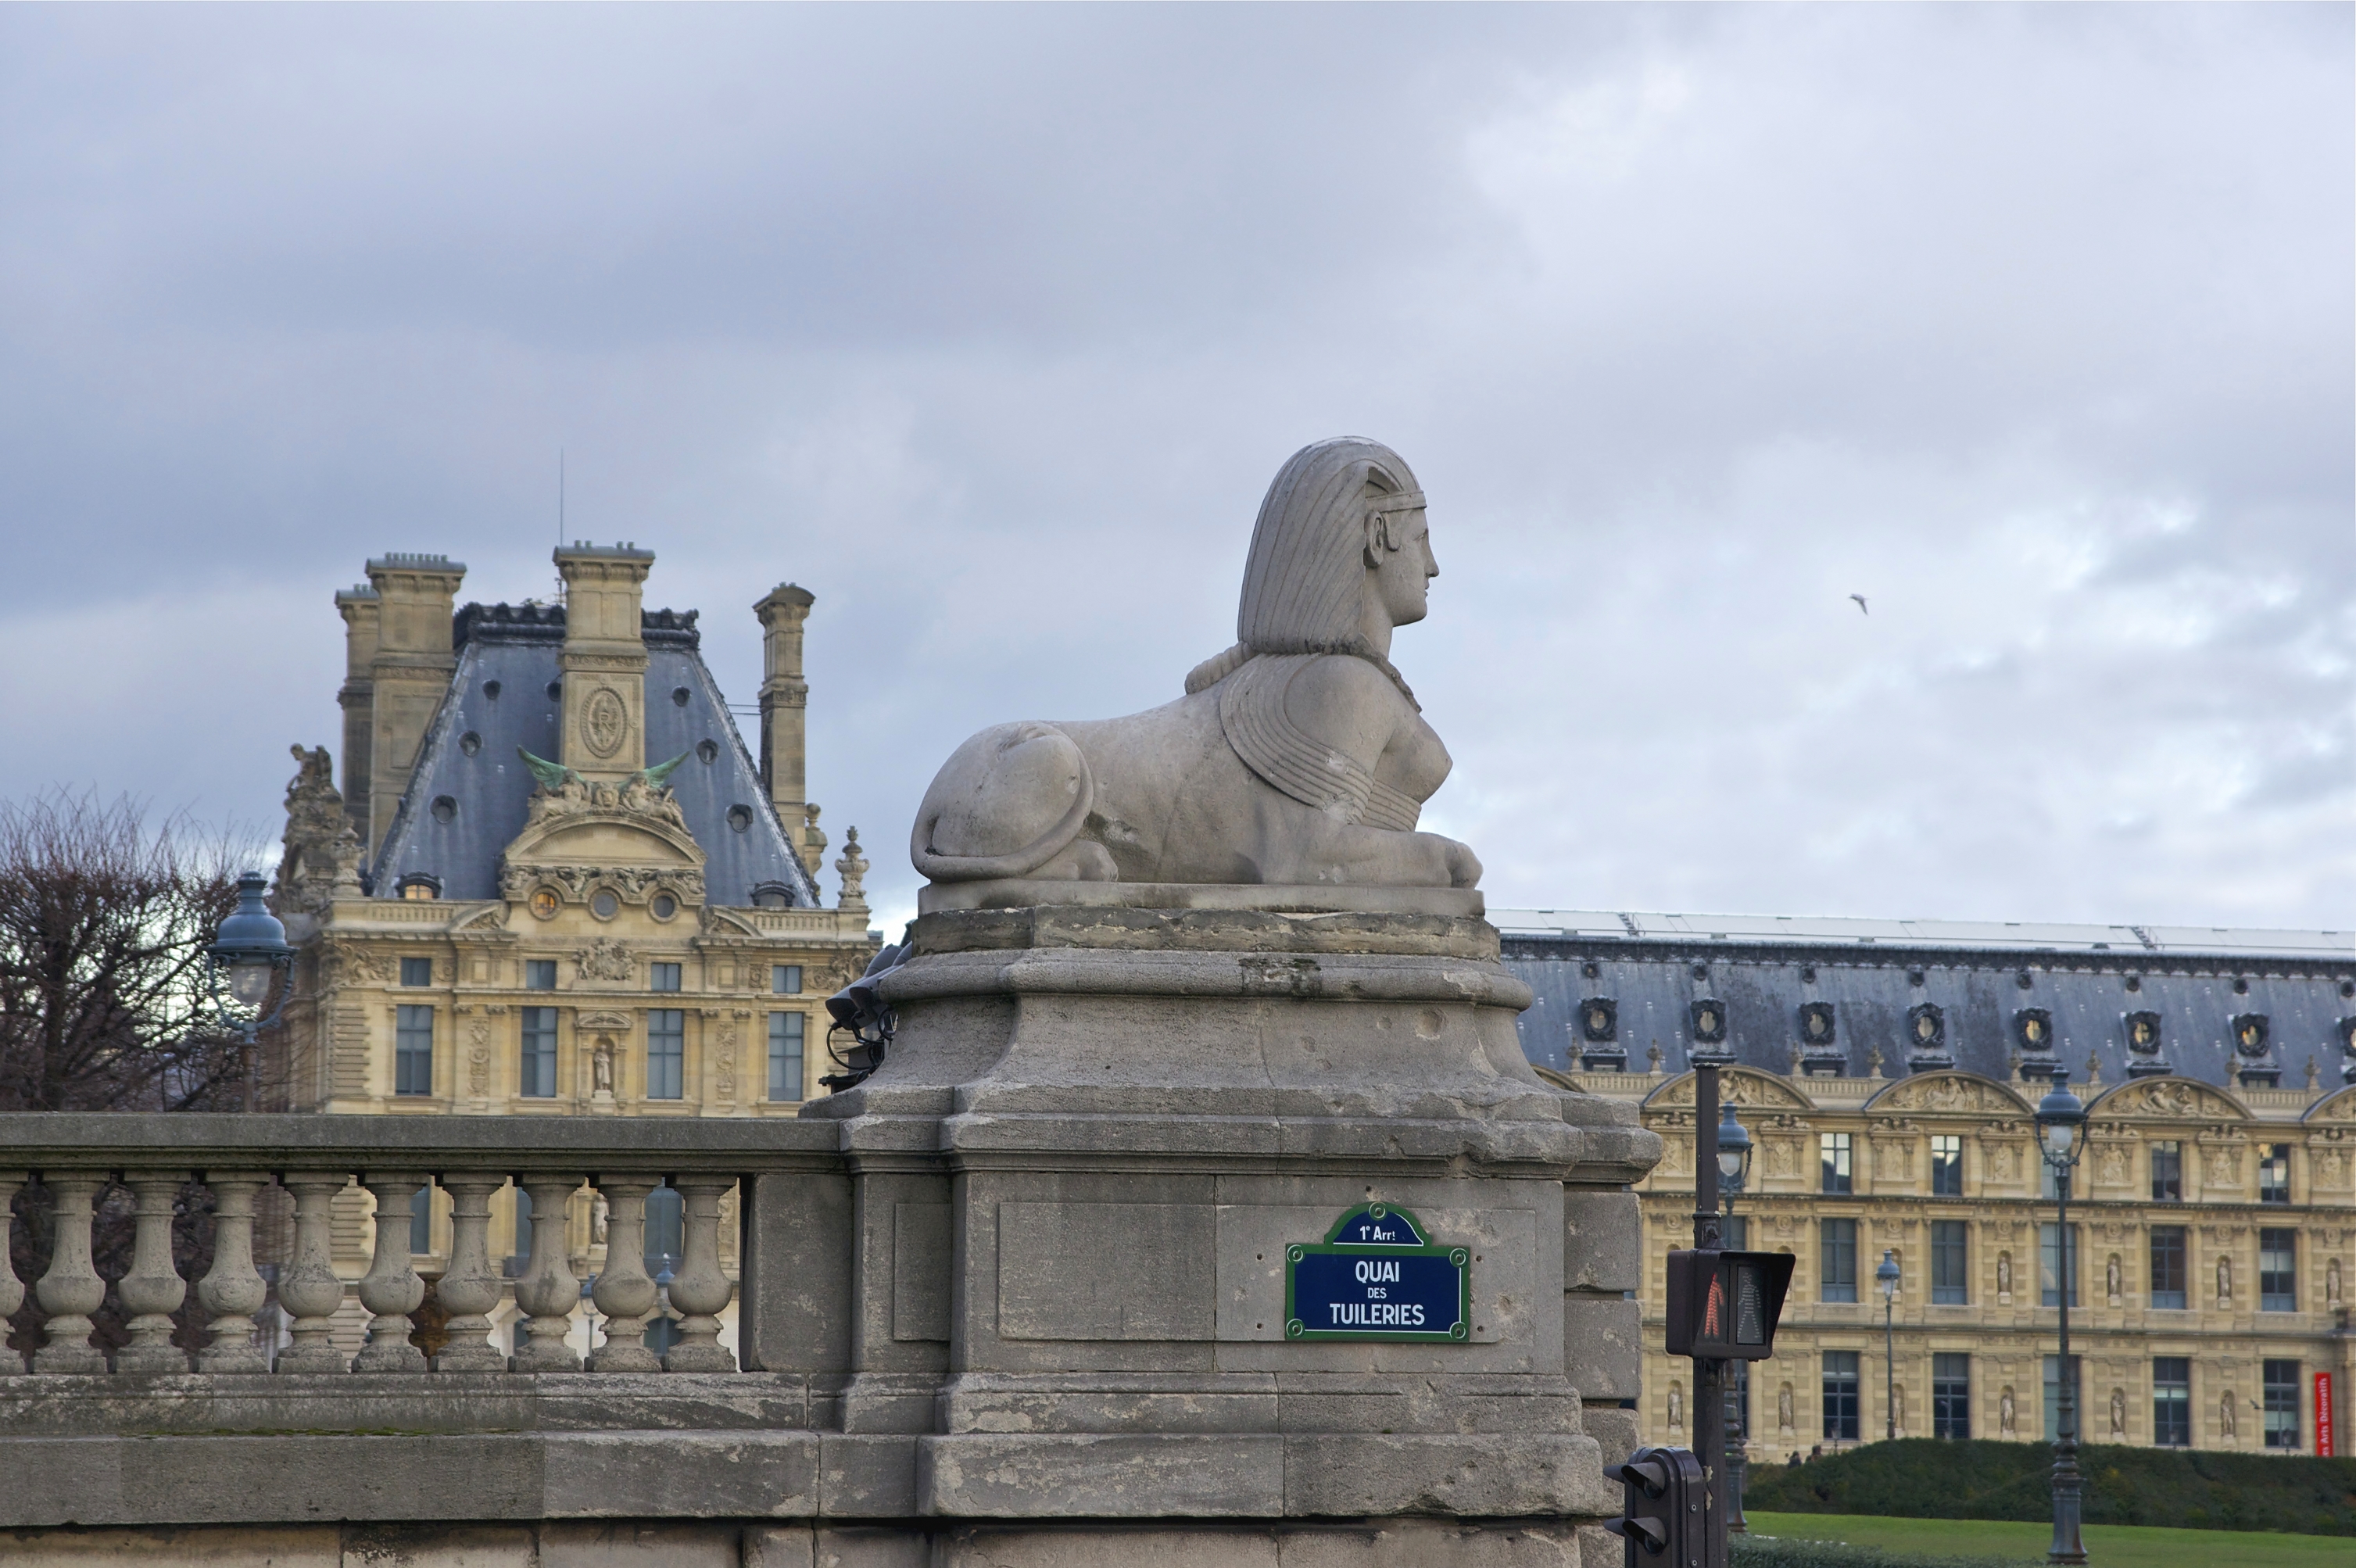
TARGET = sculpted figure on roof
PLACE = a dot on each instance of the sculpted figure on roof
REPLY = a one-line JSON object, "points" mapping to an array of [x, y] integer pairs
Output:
{"points": [[1299, 755]]}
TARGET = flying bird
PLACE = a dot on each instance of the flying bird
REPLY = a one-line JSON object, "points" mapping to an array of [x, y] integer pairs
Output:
{"points": [[1861, 604]]}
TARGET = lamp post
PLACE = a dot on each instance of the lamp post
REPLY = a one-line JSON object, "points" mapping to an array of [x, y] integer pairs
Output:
{"points": [[1733, 1173], [2060, 1135], [1886, 1277], [249, 953]]}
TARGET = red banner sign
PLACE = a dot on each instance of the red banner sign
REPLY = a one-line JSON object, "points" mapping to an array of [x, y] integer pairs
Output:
{"points": [[2325, 1433]]}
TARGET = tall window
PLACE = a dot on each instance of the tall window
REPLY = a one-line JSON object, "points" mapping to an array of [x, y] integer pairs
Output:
{"points": [[1738, 1397], [413, 1051], [536, 1075], [662, 977], [1950, 1260], [786, 1030], [519, 1255], [2167, 1172], [421, 1220], [1837, 1261], [2171, 1401], [2048, 1263], [2273, 1174], [417, 972], [665, 1053], [1835, 1147], [1840, 1396], [2281, 1404], [2053, 1396], [786, 979], [1947, 1165], [666, 1229], [2277, 1271], [540, 974], [2169, 1267], [1950, 1395]]}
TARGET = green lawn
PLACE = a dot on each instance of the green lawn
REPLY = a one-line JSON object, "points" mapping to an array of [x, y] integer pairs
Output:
{"points": [[2107, 1545]]}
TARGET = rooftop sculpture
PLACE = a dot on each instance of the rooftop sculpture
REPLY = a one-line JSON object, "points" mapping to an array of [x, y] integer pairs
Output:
{"points": [[1299, 756]]}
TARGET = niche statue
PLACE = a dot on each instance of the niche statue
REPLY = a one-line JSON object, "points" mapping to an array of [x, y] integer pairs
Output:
{"points": [[1298, 756]]}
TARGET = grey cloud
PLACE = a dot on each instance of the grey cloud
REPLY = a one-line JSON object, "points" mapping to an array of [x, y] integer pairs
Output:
{"points": [[988, 326]]}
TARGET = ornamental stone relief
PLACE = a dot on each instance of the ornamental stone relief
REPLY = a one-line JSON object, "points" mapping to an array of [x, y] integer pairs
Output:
{"points": [[632, 884], [1943, 1092], [2172, 1097], [1737, 1087], [2111, 1164], [605, 722], [605, 960]]}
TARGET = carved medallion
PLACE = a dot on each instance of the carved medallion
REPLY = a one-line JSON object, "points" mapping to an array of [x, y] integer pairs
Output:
{"points": [[605, 722]]}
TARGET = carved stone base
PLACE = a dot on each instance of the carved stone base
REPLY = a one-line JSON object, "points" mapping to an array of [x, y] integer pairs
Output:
{"points": [[1080, 1168]]}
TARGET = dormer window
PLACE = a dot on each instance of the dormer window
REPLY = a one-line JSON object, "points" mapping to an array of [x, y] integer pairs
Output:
{"points": [[418, 885], [1599, 1019]]}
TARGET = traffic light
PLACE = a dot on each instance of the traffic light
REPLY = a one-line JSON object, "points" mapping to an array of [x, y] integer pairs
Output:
{"points": [[1666, 1503], [1723, 1306]]}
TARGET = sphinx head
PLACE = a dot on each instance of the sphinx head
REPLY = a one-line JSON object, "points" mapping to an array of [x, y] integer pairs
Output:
{"points": [[1340, 555]]}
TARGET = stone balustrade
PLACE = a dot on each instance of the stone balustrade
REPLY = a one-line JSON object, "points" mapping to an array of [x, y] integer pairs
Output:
{"points": [[224, 1164]]}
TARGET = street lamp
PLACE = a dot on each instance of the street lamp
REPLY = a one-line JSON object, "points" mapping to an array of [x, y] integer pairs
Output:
{"points": [[2060, 1135], [1733, 1156], [1886, 1277], [1733, 1174], [249, 953]]}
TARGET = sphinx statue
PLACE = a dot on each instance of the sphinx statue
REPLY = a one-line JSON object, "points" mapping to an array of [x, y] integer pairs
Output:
{"points": [[1299, 756]]}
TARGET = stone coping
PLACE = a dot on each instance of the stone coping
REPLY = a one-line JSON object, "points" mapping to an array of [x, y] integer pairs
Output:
{"points": [[1132, 929], [1209, 976], [1450, 903], [275, 1139], [209, 1404]]}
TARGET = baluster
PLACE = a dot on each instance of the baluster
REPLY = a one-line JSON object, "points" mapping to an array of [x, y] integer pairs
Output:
{"points": [[698, 1289], [548, 1290], [470, 1289], [391, 1290], [152, 1290], [71, 1290], [310, 1288], [12, 1289], [624, 1293], [232, 1291]]}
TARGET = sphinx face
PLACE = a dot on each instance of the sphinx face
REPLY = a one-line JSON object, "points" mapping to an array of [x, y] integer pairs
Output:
{"points": [[1403, 576]]}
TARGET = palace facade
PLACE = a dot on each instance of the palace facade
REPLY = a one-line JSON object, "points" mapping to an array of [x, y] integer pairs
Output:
{"points": [[1889, 1076], [555, 880]]}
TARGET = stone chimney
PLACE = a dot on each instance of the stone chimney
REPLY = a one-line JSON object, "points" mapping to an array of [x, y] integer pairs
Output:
{"points": [[785, 701], [358, 605], [408, 671], [603, 735]]}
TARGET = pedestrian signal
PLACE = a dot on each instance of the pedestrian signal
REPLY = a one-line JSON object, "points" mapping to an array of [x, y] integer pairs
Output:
{"points": [[1724, 1306]]}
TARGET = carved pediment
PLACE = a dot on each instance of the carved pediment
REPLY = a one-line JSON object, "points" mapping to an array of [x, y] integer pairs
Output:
{"points": [[585, 842], [2339, 1107], [1959, 1093], [630, 823], [2183, 1099], [1741, 1086]]}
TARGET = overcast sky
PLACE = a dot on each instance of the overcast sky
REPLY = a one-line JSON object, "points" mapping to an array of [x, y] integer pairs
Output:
{"points": [[989, 327]]}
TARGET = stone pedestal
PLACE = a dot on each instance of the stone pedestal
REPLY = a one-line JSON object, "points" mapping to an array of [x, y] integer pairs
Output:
{"points": [[1075, 1179]]}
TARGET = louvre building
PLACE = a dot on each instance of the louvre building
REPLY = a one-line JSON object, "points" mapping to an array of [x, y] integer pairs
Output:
{"points": [[1888, 1073]]}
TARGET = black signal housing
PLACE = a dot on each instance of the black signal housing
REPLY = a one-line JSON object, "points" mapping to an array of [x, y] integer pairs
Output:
{"points": [[1725, 1306]]}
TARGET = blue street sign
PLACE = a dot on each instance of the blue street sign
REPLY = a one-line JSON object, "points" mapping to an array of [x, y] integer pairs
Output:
{"points": [[1376, 1276]]}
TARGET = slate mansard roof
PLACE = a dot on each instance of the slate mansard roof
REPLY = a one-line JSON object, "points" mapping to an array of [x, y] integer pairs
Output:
{"points": [[2089, 980], [468, 795]]}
